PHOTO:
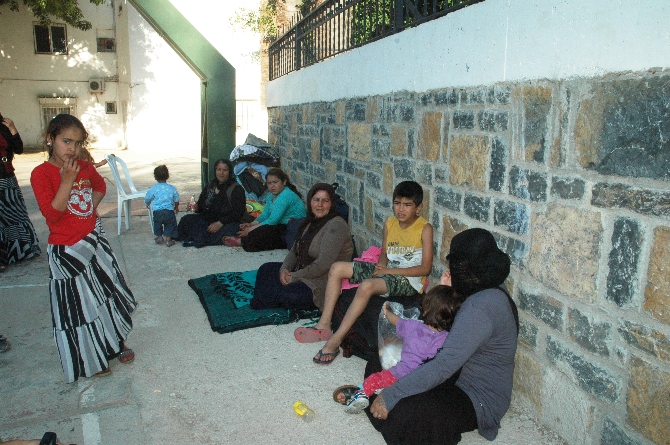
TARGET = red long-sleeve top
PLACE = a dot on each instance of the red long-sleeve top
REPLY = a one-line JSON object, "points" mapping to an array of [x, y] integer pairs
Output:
{"points": [[78, 220]]}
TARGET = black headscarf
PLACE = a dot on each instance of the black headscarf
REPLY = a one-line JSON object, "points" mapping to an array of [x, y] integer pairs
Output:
{"points": [[475, 262], [312, 225], [209, 193]]}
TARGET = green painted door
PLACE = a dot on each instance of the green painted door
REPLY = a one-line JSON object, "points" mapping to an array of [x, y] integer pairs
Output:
{"points": [[217, 79]]}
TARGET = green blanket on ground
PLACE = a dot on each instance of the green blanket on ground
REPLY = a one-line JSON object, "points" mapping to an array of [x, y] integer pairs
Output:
{"points": [[225, 297]]}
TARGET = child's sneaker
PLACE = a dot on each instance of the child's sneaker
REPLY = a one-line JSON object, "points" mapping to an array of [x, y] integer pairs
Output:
{"points": [[159, 239], [169, 243], [357, 403]]}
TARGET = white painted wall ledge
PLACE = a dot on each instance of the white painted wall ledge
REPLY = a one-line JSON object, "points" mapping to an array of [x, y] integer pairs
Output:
{"points": [[490, 42]]}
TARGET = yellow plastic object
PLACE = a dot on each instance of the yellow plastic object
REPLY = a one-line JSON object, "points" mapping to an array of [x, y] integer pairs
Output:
{"points": [[303, 411]]}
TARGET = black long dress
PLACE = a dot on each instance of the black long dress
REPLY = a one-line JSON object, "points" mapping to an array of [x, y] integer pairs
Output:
{"points": [[214, 205], [18, 239]]}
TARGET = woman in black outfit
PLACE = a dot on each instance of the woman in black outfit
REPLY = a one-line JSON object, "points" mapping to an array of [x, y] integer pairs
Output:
{"points": [[18, 239], [219, 210], [468, 384]]}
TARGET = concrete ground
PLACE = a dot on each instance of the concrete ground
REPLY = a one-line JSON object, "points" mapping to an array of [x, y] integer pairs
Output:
{"points": [[187, 385]]}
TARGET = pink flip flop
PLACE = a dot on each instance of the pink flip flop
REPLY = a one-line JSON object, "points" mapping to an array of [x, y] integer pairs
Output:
{"points": [[232, 241], [311, 334]]}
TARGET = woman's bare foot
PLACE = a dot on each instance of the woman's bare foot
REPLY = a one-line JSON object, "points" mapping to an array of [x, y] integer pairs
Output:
{"points": [[320, 325], [328, 353]]}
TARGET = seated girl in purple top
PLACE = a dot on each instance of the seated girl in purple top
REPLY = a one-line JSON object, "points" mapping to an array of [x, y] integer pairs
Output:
{"points": [[420, 344]]}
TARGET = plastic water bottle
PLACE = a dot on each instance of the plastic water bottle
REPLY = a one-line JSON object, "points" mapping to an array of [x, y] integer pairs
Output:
{"points": [[303, 411], [191, 205]]}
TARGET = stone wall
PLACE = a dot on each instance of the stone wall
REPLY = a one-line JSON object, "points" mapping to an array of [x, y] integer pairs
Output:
{"points": [[573, 178]]}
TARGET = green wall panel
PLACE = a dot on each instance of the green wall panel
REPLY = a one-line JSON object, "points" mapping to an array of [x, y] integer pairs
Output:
{"points": [[217, 78]]}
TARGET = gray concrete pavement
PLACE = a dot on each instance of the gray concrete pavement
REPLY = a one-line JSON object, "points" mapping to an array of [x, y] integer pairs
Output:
{"points": [[187, 385]]}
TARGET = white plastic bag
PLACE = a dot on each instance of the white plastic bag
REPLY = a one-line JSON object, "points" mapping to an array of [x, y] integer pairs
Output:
{"points": [[390, 346]]}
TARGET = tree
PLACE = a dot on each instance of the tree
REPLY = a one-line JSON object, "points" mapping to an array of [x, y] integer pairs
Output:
{"points": [[261, 20], [264, 19], [43, 10]]}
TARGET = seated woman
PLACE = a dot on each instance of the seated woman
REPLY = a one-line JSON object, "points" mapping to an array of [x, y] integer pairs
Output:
{"points": [[434, 404], [219, 210], [322, 239], [267, 231]]}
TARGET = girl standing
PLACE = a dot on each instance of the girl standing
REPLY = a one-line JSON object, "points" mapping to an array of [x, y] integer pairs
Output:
{"points": [[18, 239], [91, 303]]}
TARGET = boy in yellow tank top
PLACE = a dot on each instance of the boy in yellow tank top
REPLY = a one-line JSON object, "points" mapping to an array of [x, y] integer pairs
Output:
{"points": [[404, 264]]}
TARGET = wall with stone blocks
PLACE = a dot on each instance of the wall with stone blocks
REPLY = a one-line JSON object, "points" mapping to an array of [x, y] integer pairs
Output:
{"points": [[573, 178]]}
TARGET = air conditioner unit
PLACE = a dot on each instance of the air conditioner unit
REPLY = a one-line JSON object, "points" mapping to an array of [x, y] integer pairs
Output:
{"points": [[96, 85]]}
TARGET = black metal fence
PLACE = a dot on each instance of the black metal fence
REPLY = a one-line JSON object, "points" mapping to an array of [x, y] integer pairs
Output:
{"points": [[337, 26]]}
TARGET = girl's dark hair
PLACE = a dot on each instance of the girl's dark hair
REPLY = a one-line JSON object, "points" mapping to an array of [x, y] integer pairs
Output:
{"points": [[85, 155], [161, 173], [279, 173], [231, 173], [440, 306], [60, 123]]}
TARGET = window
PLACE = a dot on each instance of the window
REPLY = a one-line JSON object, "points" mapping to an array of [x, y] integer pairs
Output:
{"points": [[106, 45], [50, 107], [106, 40], [110, 107], [50, 39]]}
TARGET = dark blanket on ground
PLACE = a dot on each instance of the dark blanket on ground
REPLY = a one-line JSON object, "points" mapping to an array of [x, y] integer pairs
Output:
{"points": [[225, 297]]}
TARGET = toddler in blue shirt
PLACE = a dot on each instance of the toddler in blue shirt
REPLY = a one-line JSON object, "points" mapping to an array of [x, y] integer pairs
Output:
{"points": [[164, 201]]}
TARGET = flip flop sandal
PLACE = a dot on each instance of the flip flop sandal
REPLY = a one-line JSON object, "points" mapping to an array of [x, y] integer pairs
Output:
{"points": [[126, 356], [349, 391], [357, 404], [232, 241], [104, 372], [319, 358], [310, 334]]}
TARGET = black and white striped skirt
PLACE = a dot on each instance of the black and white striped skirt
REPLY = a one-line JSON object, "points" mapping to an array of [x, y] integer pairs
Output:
{"points": [[91, 304], [18, 239]]}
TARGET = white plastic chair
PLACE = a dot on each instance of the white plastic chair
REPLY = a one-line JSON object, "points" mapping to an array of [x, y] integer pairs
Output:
{"points": [[123, 196]]}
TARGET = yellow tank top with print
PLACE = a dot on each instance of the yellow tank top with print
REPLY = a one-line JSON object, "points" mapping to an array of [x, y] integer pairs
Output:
{"points": [[404, 247]]}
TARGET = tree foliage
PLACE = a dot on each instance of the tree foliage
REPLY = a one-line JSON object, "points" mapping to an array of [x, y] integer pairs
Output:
{"points": [[261, 20], [45, 10], [264, 19]]}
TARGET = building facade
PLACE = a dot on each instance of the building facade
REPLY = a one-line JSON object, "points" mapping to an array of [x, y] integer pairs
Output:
{"points": [[52, 69]]}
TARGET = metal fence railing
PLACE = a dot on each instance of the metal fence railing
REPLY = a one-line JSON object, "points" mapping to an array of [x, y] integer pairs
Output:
{"points": [[337, 26]]}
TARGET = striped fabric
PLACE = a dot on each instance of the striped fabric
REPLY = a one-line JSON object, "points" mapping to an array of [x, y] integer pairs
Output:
{"points": [[91, 304], [18, 239]]}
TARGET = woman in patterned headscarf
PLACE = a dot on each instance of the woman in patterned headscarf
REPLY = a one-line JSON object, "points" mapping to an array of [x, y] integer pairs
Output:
{"points": [[322, 239]]}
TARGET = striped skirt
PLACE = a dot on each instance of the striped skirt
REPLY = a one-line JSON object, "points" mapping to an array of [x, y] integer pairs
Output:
{"points": [[91, 304], [18, 239]]}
